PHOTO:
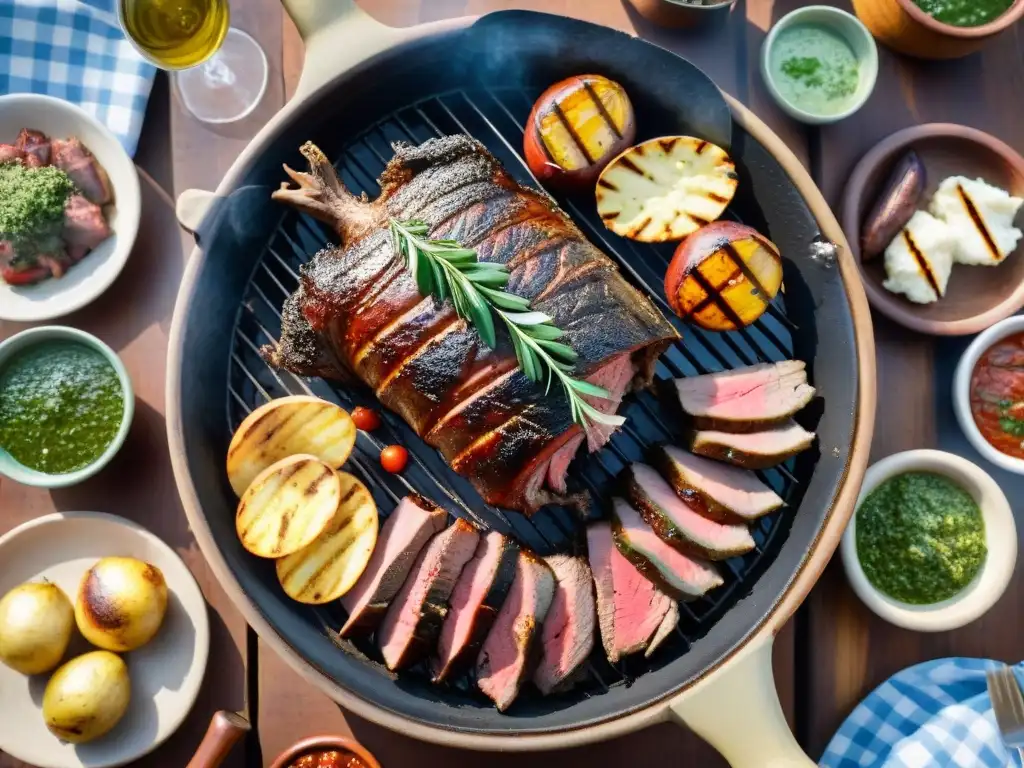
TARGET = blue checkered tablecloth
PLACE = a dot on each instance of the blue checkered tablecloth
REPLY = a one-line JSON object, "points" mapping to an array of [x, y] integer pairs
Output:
{"points": [[75, 50], [932, 715]]}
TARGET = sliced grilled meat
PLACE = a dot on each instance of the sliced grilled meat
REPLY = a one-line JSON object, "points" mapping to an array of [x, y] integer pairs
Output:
{"points": [[713, 489], [75, 159], [36, 147], [478, 596], [84, 225], [755, 450], [410, 628], [681, 576], [567, 637], [668, 624], [678, 524], [10, 153], [631, 611], [360, 304], [746, 399], [402, 537], [508, 652]]}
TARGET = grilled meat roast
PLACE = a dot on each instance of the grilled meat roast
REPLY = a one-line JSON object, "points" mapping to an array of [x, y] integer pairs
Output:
{"points": [[357, 314]]}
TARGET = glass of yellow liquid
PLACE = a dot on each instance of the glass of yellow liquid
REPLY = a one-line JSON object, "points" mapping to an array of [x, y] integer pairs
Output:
{"points": [[220, 72]]}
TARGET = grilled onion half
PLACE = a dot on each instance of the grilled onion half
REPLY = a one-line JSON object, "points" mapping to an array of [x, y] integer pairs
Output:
{"points": [[665, 189], [724, 276]]}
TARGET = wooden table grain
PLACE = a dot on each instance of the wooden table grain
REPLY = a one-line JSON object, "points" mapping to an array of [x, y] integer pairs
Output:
{"points": [[827, 658]]}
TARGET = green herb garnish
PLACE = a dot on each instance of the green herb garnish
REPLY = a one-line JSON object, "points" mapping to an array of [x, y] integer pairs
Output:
{"points": [[446, 270], [1009, 420], [32, 204], [801, 66]]}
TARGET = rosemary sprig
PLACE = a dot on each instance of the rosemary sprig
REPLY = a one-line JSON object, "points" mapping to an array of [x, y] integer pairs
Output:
{"points": [[445, 269]]}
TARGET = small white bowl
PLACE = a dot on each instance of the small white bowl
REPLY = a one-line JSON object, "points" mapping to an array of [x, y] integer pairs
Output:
{"points": [[33, 336], [855, 34], [1000, 538], [962, 391], [90, 277]]}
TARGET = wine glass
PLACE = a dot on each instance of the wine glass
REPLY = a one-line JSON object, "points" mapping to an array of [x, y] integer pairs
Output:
{"points": [[219, 71]]}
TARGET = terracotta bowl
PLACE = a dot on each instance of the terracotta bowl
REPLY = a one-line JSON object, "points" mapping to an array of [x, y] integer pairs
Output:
{"points": [[679, 14], [977, 296], [904, 27], [324, 744]]}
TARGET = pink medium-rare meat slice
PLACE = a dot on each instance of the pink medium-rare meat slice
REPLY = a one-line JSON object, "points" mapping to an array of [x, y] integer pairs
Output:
{"points": [[402, 537], [84, 224], [746, 399], [753, 450], [630, 609], [681, 576], [478, 596], [10, 154], [715, 490], [360, 305], [504, 660], [678, 524], [567, 637], [35, 145], [75, 159], [410, 628], [665, 629]]}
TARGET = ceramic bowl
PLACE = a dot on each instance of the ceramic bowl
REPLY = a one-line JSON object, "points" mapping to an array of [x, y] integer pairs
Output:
{"points": [[1000, 538], [846, 26], [962, 392], [86, 280], [904, 27], [976, 296], [324, 744], [33, 336], [165, 674], [681, 14]]}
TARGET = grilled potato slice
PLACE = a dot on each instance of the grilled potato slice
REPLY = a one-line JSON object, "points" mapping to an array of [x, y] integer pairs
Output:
{"points": [[665, 189], [287, 506], [329, 567], [286, 427]]}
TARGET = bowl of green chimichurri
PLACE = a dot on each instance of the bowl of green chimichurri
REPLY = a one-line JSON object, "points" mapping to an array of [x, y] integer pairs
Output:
{"points": [[66, 403], [819, 63], [932, 544]]}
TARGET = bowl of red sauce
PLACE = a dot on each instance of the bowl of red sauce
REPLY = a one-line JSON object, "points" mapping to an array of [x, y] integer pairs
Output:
{"points": [[988, 394], [326, 752]]}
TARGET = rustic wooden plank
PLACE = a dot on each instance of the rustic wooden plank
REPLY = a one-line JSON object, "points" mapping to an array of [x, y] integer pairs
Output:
{"points": [[133, 318], [850, 651]]}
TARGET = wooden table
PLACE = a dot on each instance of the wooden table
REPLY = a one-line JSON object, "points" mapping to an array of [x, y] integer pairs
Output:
{"points": [[834, 651]]}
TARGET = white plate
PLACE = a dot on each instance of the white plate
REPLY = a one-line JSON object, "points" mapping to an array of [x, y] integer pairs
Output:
{"points": [[165, 674], [89, 278]]}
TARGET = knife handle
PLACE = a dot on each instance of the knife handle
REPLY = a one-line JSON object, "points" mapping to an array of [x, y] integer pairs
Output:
{"points": [[226, 728]]}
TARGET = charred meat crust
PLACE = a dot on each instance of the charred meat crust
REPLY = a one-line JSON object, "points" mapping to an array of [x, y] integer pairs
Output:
{"points": [[361, 304]]}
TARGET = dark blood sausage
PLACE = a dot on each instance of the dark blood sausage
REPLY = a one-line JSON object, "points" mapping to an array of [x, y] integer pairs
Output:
{"points": [[358, 315]]}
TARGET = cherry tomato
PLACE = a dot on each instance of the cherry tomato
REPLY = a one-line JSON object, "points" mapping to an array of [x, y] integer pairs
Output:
{"points": [[365, 419], [394, 458]]}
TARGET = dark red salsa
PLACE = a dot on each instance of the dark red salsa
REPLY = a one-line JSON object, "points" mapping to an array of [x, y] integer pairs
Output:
{"points": [[329, 758], [997, 395]]}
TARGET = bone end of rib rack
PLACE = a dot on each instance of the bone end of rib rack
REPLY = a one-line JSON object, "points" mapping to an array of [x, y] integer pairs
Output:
{"points": [[192, 207], [736, 709]]}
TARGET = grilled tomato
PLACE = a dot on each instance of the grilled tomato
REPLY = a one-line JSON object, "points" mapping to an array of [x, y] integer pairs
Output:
{"points": [[665, 189], [577, 126], [723, 276]]}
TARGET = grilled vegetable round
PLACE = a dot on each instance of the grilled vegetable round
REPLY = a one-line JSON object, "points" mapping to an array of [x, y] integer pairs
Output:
{"points": [[724, 276], [287, 506], [665, 189], [577, 126], [329, 567], [286, 427]]}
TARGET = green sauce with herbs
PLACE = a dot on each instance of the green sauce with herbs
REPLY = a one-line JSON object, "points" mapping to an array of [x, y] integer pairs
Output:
{"points": [[964, 13], [920, 538], [61, 404], [815, 69]]}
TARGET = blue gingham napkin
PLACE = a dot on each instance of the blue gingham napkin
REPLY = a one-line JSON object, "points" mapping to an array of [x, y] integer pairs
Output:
{"points": [[75, 50], [932, 715]]}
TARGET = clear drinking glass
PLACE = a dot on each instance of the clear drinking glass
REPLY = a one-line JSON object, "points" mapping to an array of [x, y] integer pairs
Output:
{"points": [[219, 72]]}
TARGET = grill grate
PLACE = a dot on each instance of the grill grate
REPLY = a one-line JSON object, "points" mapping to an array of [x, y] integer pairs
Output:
{"points": [[496, 118]]}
